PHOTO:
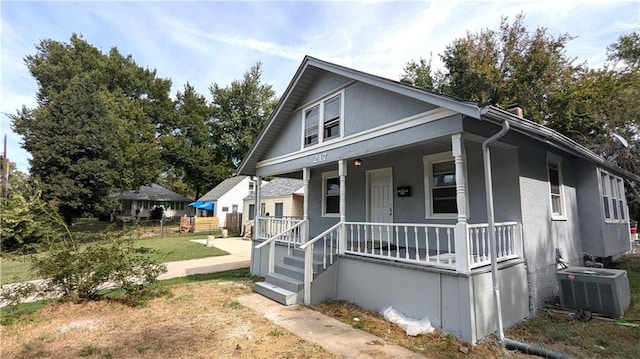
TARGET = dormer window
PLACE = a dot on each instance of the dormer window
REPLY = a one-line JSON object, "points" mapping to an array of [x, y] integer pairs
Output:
{"points": [[330, 111]]}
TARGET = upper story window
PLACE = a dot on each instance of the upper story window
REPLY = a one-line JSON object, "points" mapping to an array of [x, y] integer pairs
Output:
{"points": [[322, 121], [556, 193], [251, 185], [613, 200]]}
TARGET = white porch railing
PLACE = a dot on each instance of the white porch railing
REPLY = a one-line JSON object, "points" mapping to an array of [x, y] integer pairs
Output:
{"points": [[431, 245], [293, 236], [508, 239], [330, 249], [424, 244], [272, 226]]}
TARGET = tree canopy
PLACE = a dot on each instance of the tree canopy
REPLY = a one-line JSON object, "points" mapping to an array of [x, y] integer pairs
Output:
{"points": [[93, 130], [515, 66], [239, 113]]}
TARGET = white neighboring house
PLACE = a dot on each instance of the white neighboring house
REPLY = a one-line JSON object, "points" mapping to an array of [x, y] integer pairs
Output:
{"points": [[140, 202], [224, 198]]}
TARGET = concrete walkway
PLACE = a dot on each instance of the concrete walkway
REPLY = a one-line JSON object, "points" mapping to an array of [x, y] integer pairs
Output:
{"points": [[334, 336], [239, 257]]}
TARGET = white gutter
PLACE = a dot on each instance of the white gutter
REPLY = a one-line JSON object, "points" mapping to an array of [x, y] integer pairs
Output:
{"points": [[486, 156]]}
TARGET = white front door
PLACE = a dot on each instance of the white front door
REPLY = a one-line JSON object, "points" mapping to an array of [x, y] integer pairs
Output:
{"points": [[380, 189]]}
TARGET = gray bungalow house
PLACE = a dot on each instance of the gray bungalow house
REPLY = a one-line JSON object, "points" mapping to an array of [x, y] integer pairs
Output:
{"points": [[140, 202], [402, 188]]}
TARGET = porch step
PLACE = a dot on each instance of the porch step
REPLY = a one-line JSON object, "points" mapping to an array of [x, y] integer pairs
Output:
{"points": [[299, 253], [280, 295], [290, 271], [284, 282], [298, 262]]}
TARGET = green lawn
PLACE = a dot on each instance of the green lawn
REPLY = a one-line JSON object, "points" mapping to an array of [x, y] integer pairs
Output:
{"points": [[174, 248]]}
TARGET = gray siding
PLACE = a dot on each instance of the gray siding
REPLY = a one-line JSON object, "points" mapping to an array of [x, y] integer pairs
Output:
{"points": [[367, 107], [324, 84], [458, 304], [542, 235], [395, 141]]}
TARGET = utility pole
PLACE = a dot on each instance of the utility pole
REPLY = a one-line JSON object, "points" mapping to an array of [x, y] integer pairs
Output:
{"points": [[5, 170]]}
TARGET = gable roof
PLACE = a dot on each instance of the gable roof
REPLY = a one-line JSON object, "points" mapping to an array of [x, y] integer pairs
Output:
{"points": [[311, 67], [278, 187], [153, 192], [222, 188], [304, 78]]}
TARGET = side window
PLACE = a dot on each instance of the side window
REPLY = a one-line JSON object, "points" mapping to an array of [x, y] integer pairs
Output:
{"points": [[440, 185], [279, 209], [554, 169], [330, 194], [614, 203]]}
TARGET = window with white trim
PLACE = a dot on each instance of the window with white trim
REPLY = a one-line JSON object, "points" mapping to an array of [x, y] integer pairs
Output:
{"points": [[556, 192], [327, 115], [440, 185], [330, 194], [613, 201]]}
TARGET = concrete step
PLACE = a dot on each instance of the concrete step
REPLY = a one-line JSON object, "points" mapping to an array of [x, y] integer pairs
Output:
{"points": [[317, 255], [290, 271], [284, 282], [280, 295], [298, 262]]}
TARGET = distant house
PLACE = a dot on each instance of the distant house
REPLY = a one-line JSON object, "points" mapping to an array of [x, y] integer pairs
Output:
{"points": [[409, 195], [139, 203], [281, 198], [224, 198]]}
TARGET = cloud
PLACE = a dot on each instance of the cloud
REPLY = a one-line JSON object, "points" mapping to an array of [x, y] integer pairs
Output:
{"points": [[206, 42]]}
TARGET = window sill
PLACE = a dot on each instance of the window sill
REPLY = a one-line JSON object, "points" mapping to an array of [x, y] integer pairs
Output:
{"points": [[331, 215], [559, 218]]}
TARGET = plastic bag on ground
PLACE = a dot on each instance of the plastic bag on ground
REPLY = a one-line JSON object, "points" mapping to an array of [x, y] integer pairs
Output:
{"points": [[412, 327]]}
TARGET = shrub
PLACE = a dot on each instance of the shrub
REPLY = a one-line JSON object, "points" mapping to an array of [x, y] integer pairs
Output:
{"points": [[81, 272]]}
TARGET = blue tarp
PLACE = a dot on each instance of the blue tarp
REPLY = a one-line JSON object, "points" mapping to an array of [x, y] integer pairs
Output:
{"points": [[202, 205], [196, 204], [207, 206]]}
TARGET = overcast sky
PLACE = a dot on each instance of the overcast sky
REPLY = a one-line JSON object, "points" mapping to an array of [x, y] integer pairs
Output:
{"points": [[211, 41]]}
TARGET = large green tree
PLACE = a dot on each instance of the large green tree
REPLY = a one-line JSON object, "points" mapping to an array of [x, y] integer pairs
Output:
{"points": [[94, 128], [189, 147], [504, 67], [240, 110]]}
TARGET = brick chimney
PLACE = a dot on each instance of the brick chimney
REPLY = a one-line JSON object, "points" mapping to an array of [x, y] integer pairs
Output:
{"points": [[516, 110]]}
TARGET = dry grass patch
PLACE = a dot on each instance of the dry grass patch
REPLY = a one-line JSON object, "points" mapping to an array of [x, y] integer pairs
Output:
{"points": [[434, 345], [197, 320]]}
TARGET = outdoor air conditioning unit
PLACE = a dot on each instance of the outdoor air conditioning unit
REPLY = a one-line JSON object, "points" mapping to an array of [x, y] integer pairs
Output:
{"points": [[604, 291]]}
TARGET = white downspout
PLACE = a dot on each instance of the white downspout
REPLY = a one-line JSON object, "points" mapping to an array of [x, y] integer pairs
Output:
{"points": [[486, 156]]}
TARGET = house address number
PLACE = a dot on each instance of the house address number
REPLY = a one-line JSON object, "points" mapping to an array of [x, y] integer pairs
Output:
{"points": [[320, 157]]}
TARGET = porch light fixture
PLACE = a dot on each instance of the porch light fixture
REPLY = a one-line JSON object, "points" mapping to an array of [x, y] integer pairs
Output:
{"points": [[357, 162]]}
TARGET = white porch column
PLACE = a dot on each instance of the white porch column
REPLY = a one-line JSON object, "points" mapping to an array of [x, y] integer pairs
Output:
{"points": [[342, 172], [258, 209], [306, 175], [462, 233]]}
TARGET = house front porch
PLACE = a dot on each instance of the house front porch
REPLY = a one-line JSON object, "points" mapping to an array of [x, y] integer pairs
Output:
{"points": [[442, 271]]}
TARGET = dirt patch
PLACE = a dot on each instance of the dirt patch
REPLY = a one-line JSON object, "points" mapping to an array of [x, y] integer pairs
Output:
{"points": [[199, 320], [432, 345]]}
